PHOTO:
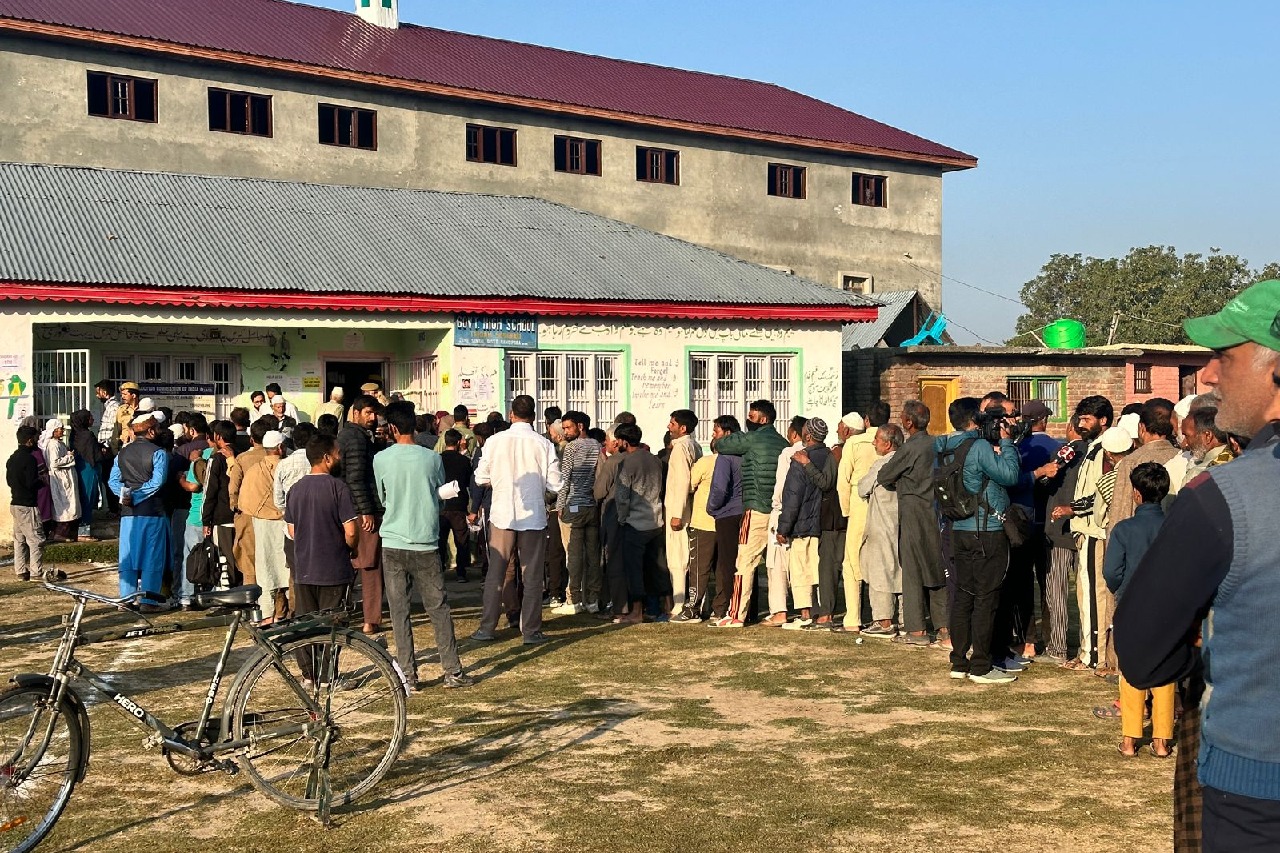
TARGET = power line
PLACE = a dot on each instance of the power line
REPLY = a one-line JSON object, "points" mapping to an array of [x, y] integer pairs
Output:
{"points": [[952, 322], [967, 284]]}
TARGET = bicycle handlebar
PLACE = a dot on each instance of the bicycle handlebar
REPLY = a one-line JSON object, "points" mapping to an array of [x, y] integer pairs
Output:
{"points": [[76, 592]]}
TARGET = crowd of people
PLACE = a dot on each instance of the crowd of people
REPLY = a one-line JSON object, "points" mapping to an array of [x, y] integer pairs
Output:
{"points": [[966, 541]]}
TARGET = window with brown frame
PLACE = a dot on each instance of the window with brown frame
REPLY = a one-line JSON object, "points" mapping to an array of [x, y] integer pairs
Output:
{"points": [[1142, 379], [657, 165], [786, 181], [868, 190], [577, 156], [239, 112], [348, 127], [114, 96], [491, 145]]}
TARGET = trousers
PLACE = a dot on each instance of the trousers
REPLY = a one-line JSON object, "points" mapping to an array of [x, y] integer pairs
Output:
{"points": [[28, 540], [529, 547], [402, 571], [831, 548], [702, 561], [981, 560], [752, 542], [677, 542], [727, 530]]}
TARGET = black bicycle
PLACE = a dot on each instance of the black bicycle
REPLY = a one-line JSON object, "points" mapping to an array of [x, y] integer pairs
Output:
{"points": [[315, 716]]}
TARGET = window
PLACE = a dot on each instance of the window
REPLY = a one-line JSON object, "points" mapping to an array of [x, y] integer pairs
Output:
{"points": [[348, 127], [786, 181], [1142, 379], [577, 156], [61, 382], [113, 96], [726, 384], [239, 112], [223, 372], [491, 145], [585, 381], [854, 283], [1050, 390], [657, 165], [419, 380], [868, 190]]}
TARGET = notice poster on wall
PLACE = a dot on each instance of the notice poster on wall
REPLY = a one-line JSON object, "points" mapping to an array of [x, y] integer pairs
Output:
{"points": [[475, 380], [311, 379], [16, 396], [290, 383]]}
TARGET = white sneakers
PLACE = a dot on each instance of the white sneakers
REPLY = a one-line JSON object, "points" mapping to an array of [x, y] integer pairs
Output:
{"points": [[569, 608]]}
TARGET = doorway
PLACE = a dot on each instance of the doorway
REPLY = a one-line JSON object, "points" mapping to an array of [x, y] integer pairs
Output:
{"points": [[938, 393], [350, 375]]}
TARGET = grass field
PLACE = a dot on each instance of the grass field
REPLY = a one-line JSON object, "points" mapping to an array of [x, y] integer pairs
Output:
{"points": [[649, 738]]}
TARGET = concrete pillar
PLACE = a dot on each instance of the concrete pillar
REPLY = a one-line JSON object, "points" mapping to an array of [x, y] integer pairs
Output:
{"points": [[16, 387]]}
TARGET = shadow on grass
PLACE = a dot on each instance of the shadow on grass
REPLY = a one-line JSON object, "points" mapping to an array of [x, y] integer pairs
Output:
{"points": [[519, 739]]}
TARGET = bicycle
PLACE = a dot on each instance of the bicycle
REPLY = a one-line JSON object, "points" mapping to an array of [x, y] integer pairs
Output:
{"points": [[315, 717]]}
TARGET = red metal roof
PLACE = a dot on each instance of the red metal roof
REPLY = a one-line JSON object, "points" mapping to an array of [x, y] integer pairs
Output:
{"points": [[342, 42], [11, 291]]}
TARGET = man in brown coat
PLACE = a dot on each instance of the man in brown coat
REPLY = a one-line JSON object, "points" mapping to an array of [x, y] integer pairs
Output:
{"points": [[237, 468]]}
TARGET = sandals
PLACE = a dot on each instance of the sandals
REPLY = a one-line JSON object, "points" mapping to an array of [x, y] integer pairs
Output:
{"points": [[1075, 665], [1168, 745], [1106, 712], [1120, 749]]}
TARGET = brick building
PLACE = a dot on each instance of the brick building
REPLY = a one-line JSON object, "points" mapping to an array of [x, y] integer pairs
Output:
{"points": [[1123, 373]]}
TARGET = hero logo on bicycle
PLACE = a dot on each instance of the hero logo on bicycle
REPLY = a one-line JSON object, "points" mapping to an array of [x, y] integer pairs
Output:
{"points": [[129, 705]]}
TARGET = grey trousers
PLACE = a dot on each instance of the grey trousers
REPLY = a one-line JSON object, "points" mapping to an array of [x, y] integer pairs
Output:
{"points": [[830, 560], [530, 548], [424, 570], [28, 540]]}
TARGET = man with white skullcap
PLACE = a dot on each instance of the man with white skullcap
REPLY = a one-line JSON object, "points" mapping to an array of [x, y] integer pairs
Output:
{"points": [[140, 469]]}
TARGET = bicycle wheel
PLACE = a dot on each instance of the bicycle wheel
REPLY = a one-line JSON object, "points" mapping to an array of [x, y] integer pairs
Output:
{"points": [[357, 682], [39, 765]]}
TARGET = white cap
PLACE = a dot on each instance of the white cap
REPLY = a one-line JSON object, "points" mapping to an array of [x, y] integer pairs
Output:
{"points": [[1117, 440], [1183, 406], [159, 416], [141, 419], [449, 490], [146, 404], [177, 430], [1129, 423], [854, 421], [273, 438], [278, 399]]}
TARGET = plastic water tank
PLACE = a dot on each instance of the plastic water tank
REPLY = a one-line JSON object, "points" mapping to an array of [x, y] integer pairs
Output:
{"points": [[1064, 334]]}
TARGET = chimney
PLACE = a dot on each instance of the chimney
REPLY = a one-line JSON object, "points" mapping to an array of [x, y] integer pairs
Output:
{"points": [[380, 13]]}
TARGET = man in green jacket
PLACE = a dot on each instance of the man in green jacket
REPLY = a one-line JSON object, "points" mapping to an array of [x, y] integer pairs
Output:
{"points": [[760, 446]]}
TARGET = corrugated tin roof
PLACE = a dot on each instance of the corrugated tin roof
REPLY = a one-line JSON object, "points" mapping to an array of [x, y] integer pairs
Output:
{"points": [[867, 335], [119, 228], [325, 38]]}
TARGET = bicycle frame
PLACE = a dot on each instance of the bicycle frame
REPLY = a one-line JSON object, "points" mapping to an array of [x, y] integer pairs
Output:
{"points": [[66, 670]]}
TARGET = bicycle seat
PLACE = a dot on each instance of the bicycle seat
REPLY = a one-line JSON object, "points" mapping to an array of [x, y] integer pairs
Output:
{"points": [[236, 598]]}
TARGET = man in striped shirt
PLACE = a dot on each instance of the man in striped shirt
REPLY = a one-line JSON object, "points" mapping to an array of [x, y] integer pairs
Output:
{"points": [[579, 517]]}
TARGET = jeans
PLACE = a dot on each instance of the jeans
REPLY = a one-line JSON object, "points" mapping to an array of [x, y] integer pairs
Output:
{"points": [[1234, 823], [981, 562], [583, 551], [402, 570], [193, 535]]}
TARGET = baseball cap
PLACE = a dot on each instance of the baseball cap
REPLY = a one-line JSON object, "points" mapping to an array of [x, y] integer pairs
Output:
{"points": [[1034, 410], [1253, 315], [272, 438]]}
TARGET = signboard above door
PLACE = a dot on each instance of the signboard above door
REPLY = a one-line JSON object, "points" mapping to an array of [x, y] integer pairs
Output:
{"points": [[496, 332]]}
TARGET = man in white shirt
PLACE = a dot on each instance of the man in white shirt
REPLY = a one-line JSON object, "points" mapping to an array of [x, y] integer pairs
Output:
{"points": [[275, 397], [520, 467]]}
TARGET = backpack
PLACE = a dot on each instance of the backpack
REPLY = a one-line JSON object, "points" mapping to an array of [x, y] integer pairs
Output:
{"points": [[954, 500], [205, 564]]}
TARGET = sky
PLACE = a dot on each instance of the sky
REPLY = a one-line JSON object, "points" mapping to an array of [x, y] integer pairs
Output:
{"points": [[1099, 125]]}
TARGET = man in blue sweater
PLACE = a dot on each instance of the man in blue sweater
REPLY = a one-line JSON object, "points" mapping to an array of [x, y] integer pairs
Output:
{"points": [[981, 549], [1212, 572]]}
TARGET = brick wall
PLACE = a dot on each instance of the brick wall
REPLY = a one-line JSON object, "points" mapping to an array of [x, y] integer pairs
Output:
{"points": [[1166, 371]]}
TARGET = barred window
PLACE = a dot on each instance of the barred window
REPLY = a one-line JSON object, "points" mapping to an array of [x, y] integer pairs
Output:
{"points": [[727, 383], [587, 382]]}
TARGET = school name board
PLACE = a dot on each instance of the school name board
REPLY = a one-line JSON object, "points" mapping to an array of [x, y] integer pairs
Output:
{"points": [[499, 332]]}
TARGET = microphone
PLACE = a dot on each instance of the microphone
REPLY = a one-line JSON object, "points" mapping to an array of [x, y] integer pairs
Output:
{"points": [[1065, 454]]}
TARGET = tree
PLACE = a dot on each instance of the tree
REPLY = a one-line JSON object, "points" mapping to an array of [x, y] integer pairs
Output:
{"points": [[1152, 288]]}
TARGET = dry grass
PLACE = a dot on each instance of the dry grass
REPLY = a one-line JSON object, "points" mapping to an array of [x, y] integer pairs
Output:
{"points": [[653, 738]]}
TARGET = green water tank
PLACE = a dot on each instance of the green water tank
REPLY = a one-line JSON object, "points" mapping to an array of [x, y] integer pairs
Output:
{"points": [[1064, 334]]}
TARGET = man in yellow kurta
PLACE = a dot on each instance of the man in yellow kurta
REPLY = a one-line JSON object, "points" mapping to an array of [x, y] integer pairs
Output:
{"points": [[856, 458]]}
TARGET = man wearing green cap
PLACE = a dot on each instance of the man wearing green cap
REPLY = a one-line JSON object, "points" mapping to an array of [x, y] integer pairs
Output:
{"points": [[1214, 573]]}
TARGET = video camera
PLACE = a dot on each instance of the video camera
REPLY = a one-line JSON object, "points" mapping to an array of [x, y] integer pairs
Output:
{"points": [[989, 422]]}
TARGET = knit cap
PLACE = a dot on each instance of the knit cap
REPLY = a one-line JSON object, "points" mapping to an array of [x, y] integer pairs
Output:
{"points": [[817, 429]]}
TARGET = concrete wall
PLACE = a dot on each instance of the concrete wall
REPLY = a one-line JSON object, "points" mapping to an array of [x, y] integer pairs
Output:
{"points": [[721, 201]]}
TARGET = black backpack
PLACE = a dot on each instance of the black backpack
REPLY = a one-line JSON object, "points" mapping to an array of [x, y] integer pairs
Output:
{"points": [[205, 564], [954, 500]]}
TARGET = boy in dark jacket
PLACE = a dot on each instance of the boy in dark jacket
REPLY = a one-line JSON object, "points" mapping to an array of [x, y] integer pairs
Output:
{"points": [[800, 523], [453, 512], [23, 475], [1127, 543]]}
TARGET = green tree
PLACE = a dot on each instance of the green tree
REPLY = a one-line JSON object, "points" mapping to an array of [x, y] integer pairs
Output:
{"points": [[1153, 288]]}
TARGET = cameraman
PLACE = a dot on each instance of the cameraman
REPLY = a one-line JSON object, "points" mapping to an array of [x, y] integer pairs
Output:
{"points": [[979, 544], [1028, 562]]}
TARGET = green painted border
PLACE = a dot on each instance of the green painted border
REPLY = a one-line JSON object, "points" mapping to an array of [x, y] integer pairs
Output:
{"points": [[1035, 389], [705, 350], [624, 349]]}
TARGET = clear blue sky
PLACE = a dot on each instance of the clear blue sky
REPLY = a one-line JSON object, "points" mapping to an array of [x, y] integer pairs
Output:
{"points": [[1099, 124]]}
